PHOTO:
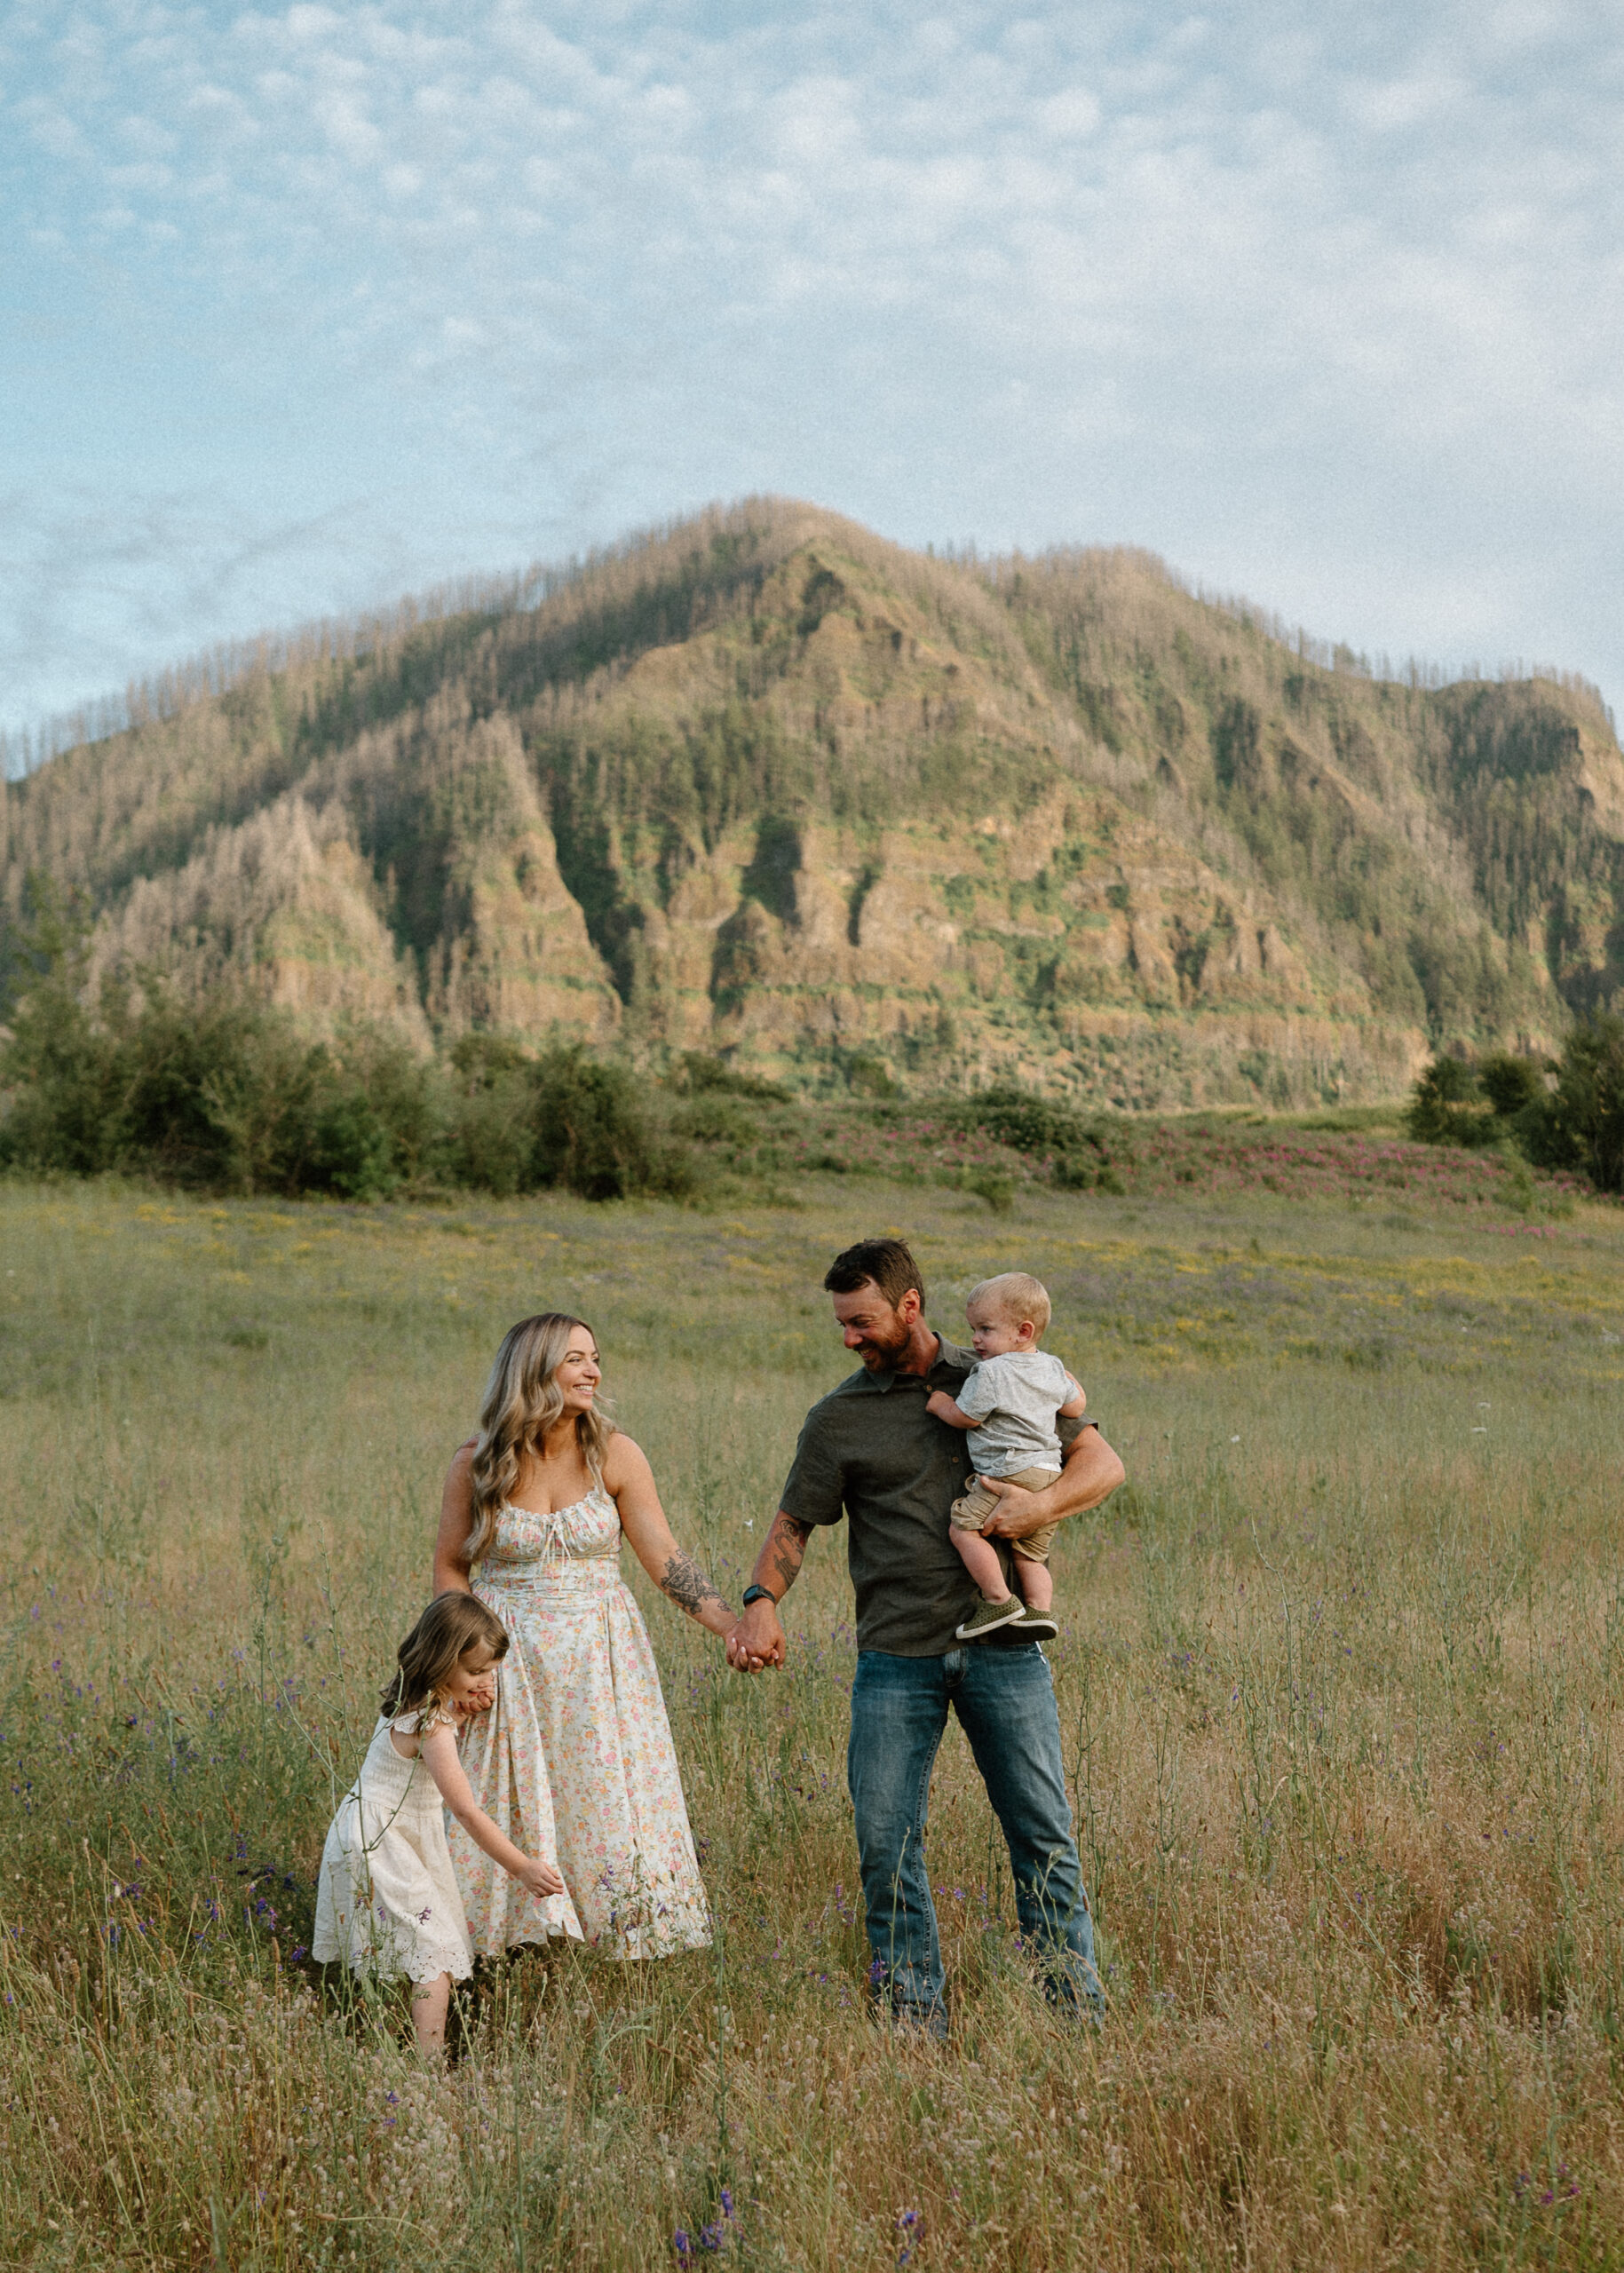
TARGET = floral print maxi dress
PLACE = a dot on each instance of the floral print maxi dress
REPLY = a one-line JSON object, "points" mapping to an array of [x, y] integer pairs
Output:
{"points": [[575, 1761]]}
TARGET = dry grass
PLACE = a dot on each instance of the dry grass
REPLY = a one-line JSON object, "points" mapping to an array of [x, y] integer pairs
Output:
{"points": [[1340, 1686]]}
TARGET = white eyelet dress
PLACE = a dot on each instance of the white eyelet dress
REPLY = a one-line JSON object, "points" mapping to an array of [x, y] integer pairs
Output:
{"points": [[576, 1762], [387, 1901]]}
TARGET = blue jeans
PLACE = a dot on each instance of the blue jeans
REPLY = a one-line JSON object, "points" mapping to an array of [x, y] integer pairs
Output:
{"points": [[1005, 1700]]}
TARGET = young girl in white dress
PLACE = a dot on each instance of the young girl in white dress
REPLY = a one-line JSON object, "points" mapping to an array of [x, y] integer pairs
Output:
{"points": [[387, 1903]]}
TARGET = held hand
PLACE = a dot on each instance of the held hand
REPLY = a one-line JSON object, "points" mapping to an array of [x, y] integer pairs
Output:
{"points": [[756, 1639], [938, 1404], [1018, 1511], [539, 1877]]}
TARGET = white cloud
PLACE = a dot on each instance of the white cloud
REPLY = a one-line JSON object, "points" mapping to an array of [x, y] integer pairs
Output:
{"points": [[1075, 112], [1322, 301]]}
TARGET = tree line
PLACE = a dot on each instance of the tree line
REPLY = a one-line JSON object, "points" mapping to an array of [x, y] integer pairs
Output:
{"points": [[1559, 1113]]}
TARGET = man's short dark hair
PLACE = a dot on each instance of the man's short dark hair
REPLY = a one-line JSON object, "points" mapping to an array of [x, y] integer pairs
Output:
{"points": [[888, 1264]]}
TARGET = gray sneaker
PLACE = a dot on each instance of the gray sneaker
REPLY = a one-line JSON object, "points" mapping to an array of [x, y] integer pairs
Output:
{"points": [[987, 1617]]}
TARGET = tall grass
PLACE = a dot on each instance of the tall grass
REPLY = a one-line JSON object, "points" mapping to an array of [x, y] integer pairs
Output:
{"points": [[1340, 1678]]}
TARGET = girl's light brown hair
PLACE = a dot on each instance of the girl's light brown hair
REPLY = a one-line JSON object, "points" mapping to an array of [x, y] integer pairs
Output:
{"points": [[451, 1625], [522, 1400]]}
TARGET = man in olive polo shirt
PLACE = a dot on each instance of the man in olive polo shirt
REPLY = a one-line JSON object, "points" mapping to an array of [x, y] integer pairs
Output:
{"points": [[870, 1450]]}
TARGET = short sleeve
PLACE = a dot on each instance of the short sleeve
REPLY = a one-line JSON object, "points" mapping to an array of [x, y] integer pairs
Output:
{"points": [[1069, 1431], [978, 1396], [814, 1492]]}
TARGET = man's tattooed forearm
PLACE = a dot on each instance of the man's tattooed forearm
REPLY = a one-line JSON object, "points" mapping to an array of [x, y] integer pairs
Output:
{"points": [[687, 1585], [788, 1546]]}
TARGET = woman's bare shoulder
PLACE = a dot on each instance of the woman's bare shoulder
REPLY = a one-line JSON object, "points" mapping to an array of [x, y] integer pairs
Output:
{"points": [[625, 1462], [458, 1491]]}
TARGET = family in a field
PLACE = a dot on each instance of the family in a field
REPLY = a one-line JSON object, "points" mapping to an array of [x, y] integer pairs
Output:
{"points": [[527, 1709]]}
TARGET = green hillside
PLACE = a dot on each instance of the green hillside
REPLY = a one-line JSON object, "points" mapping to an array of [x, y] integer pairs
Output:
{"points": [[770, 786]]}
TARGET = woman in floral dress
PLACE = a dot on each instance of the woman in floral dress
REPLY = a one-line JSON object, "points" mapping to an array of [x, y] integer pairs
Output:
{"points": [[575, 1760]]}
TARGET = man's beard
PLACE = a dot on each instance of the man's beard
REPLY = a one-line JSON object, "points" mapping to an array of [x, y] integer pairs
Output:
{"points": [[879, 1357]]}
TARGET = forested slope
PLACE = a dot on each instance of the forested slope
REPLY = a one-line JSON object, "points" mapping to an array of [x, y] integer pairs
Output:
{"points": [[768, 786]]}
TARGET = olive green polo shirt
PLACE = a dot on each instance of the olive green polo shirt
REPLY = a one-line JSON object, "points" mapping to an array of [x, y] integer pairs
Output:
{"points": [[871, 1452]]}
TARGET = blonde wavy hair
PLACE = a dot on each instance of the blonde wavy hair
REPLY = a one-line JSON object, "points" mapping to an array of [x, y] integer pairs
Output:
{"points": [[522, 1400]]}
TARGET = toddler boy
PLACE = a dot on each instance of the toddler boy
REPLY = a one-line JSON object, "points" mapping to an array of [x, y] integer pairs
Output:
{"points": [[1009, 1403]]}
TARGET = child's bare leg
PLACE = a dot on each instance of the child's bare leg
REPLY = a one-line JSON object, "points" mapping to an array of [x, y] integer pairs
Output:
{"points": [[430, 2002], [1032, 1582], [981, 1561]]}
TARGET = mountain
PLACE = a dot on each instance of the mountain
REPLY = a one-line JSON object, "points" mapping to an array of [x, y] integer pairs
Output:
{"points": [[768, 786]]}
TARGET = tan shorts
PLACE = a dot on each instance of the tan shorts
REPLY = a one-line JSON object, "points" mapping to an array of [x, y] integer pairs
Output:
{"points": [[970, 1513]]}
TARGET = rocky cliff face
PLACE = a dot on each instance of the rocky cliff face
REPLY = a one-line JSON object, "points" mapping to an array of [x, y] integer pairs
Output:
{"points": [[772, 788], [410, 880]]}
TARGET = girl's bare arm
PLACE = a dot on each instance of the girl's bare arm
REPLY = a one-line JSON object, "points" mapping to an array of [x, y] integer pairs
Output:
{"points": [[439, 1753], [455, 1525], [629, 1482]]}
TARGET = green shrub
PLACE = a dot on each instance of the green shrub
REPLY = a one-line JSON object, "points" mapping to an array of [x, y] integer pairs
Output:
{"points": [[593, 1132], [487, 1142], [488, 1136], [408, 1092], [1021, 1120], [61, 1074], [351, 1152], [1511, 1084], [868, 1074], [1083, 1156], [1446, 1106], [716, 1117], [1580, 1125], [702, 1074], [224, 1098], [1086, 1172]]}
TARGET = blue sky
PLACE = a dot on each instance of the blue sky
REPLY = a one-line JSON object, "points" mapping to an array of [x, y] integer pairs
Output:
{"points": [[304, 307]]}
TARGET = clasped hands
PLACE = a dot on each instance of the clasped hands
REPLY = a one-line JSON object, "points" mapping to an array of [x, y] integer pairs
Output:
{"points": [[756, 1639]]}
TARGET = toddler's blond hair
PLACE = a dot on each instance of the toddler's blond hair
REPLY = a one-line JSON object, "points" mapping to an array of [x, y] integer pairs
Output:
{"points": [[1017, 1296]]}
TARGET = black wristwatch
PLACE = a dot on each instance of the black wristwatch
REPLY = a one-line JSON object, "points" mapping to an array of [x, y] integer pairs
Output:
{"points": [[758, 1594]]}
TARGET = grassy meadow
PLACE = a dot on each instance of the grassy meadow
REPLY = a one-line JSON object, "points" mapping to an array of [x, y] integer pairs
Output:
{"points": [[1340, 1677]]}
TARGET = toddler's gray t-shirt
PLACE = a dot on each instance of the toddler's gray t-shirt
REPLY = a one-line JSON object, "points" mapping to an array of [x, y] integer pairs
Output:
{"points": [[1015, 1398]]}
